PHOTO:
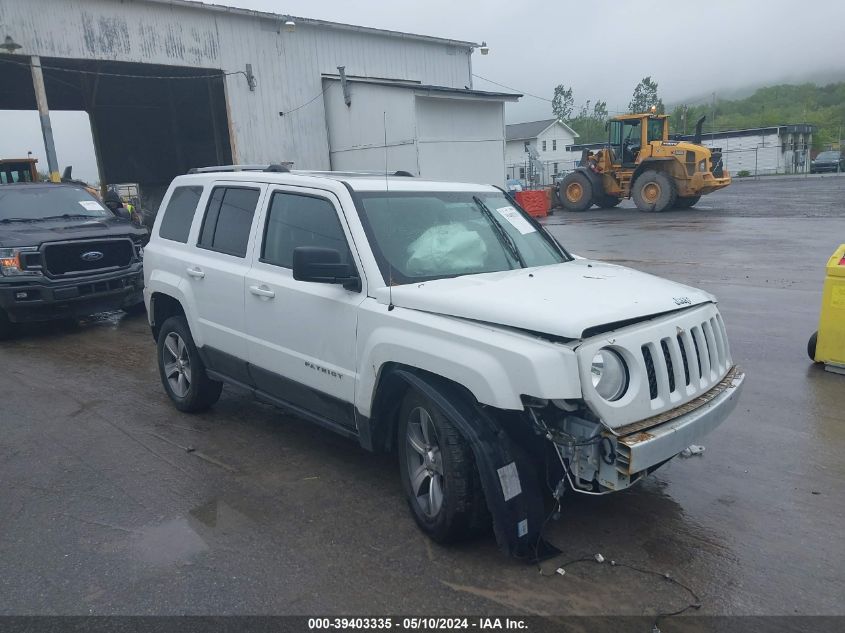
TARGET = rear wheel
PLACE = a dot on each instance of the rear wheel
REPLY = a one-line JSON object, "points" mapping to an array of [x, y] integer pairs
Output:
{"points": [[606, 202], [182, 370], [654, 191], [576, 192], [686, 202], [438, 473]]}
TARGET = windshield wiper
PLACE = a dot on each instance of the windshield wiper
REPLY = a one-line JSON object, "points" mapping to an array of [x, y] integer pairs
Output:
{"points": [[505, 239], [8, 220], [69, 216]]}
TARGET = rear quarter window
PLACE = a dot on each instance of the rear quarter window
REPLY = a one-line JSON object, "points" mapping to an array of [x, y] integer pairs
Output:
{"points": [[179, 214]]}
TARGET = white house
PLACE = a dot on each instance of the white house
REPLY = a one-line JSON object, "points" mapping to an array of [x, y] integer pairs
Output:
{"points": [[550, 138]]}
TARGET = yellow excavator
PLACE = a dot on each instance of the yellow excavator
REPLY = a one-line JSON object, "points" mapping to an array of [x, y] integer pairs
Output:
{"points": [[641, 162]]}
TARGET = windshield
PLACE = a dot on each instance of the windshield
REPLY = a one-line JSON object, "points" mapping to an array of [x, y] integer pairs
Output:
{"points": [[828, 156], [420, 236], [32, 203]]}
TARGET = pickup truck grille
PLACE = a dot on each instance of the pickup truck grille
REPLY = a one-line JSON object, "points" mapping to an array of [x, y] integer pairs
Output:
{"points": [[79, 257]]}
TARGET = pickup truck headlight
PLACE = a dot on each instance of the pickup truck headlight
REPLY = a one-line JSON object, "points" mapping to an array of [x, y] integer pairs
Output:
{"points": [[610, 374], [12, 261]]}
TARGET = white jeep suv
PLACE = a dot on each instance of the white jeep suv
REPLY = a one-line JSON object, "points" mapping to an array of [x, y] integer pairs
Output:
{"points": [[437, 320]]}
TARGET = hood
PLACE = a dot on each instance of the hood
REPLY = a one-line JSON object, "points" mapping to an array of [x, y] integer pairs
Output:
{"points": [[561, 300], [35, 233]]}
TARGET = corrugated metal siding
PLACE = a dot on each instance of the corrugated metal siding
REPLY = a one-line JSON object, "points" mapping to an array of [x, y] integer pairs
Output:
{"points": [[287, 66]]}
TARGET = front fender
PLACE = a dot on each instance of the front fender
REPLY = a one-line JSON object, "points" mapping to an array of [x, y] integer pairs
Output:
{"points": [[497, 366]]}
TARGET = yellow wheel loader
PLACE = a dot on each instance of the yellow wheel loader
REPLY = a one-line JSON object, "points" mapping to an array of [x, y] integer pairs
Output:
{"points": [[640, 162]]}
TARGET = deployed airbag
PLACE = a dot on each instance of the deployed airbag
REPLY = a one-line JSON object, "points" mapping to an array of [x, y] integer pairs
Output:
{"points": [[446, 249]]}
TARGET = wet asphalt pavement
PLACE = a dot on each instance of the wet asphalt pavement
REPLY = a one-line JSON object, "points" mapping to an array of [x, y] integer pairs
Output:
{"points": [[112, 502]]}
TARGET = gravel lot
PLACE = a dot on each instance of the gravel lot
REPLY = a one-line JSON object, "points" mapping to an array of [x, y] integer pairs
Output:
{"points": [[115, 503]]}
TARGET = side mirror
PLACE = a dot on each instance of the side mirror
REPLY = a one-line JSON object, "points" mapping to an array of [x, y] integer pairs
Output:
{"points": [[323, 266]]}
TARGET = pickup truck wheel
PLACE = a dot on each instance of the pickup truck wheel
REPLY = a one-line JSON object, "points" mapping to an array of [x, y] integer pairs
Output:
{"points": [[438, 473], [182, 370]]}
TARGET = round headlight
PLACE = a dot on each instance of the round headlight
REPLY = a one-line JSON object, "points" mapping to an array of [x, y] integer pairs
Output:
{"points": [[610, 374]]}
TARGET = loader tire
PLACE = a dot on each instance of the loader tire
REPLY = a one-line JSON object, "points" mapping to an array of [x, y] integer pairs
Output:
{"points": [[654, 191], [686, 202], [606, 202], [576, 192]]}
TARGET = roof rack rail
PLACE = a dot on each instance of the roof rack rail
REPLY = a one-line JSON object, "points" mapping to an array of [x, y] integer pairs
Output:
{"points": [[274, 167]]}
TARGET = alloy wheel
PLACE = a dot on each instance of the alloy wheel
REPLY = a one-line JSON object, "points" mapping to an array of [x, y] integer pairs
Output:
{"points": [[177, 364], [424, 462]]}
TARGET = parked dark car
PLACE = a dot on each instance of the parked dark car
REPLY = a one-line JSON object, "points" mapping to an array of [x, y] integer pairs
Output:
{"points": [[830, 161], [63, 254]]}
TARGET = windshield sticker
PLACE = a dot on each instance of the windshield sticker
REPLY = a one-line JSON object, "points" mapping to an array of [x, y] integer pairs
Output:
{"points": [[91, 205], [517, 221]]}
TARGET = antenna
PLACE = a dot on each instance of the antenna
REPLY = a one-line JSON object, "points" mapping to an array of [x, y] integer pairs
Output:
{"points": [[390, 305]]}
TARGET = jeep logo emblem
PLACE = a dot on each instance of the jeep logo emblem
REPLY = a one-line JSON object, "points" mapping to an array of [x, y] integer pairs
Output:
{"points": [[91, 256]]}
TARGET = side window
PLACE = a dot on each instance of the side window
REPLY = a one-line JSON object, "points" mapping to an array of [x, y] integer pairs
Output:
{"points": [[179, 214], [299, 220], [228, 219]]}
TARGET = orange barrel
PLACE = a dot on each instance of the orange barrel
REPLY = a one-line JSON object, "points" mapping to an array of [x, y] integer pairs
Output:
{"points": [[536, 203]]}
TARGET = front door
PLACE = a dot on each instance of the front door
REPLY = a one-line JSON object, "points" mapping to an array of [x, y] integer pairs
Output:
{"points": [[302, 334]]}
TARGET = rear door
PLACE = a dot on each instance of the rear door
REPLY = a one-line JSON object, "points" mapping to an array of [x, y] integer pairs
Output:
{"points": [[215, 272], [302, 334]]}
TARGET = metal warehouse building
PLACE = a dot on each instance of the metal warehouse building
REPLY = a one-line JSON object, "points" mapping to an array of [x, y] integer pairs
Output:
{"points": [[173, 84]]}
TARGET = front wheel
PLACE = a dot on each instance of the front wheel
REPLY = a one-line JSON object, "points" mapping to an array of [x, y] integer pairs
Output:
{"points": [[182, 370], [438, 473], [6, 326], [576, 192], [654, 191]]}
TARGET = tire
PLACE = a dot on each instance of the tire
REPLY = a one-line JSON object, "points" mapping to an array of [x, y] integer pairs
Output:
{"points": [[576, 192], [606, 202], [654, 191], [434, 456], [811, 347], [182, 370], [686, 203]]}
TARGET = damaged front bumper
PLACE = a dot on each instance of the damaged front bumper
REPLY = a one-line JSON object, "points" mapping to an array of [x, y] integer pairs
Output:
{"points": [[609, 461]]}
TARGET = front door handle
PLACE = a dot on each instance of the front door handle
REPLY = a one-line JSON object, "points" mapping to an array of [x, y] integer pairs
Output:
{"points": [[262, 291], [195, 271]]}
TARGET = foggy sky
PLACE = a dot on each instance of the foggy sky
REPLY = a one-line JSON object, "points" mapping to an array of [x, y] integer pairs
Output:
{"points": [[602, 48]]}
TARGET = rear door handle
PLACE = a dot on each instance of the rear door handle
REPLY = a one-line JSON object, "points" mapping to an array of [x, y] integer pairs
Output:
{"points": [[195, 272], [262, 291]]}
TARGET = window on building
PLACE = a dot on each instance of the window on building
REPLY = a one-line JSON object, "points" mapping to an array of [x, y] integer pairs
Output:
{"points": [[228, 220], [554, 144], [555, 169], [297, 220], [179, 214], [544, 146], [522, 173]]}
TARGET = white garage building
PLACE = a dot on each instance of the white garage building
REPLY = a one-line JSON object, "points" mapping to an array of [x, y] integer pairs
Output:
{"points": [[175, 84]]}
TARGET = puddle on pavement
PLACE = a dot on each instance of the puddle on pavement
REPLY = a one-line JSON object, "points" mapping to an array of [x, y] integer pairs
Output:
{"points": [[168, 543]]}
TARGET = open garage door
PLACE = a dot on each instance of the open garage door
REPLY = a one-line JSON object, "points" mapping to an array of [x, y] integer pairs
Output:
{"points": [[149, 123]]}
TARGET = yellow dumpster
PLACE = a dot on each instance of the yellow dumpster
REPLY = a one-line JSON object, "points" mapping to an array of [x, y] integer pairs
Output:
{"points": [[828, 344]]}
